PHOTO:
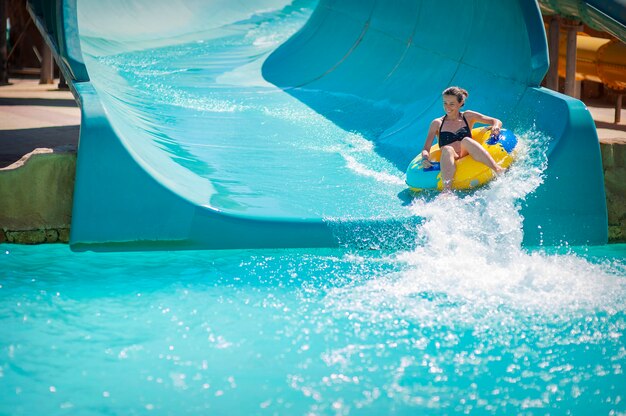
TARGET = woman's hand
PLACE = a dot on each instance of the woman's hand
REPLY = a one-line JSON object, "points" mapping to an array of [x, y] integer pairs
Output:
{"points": [[495, 128], [426, 159]]}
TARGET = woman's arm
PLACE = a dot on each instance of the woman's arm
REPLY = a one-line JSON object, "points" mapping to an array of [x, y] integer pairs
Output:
{"points": [[432, 132], [474, 117]]}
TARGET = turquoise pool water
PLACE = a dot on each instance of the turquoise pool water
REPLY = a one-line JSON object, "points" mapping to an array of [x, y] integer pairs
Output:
{"points": [[465, 321]]}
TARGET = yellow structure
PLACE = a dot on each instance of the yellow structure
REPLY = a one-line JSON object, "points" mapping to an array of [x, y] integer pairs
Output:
{"points": [[597, 59]]}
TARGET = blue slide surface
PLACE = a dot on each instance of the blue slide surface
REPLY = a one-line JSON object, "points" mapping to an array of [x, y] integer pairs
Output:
{"points": [[275, 123]]}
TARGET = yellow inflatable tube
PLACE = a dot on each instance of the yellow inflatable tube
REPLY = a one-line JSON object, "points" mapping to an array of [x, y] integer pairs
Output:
{"points": [[469, 173]]}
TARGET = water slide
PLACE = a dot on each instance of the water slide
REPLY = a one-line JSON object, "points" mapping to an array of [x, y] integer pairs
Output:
{"points": [[275, 123]]}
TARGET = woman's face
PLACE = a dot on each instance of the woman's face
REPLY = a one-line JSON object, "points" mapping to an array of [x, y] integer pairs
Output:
{"points": [[451, 104]]}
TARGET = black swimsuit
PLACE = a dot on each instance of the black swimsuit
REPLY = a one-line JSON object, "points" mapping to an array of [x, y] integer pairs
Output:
{"points": [[447, 137]]}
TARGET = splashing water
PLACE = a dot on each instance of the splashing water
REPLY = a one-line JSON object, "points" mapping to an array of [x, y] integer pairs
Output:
{"points": [[469, 250], [467, 321], [473, 321]]}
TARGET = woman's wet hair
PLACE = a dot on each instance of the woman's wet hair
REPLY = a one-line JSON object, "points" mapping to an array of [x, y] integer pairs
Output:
{"points": [[458, 92]]}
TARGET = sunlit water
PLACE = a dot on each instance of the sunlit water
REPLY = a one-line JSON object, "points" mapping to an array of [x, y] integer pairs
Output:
{"points": [[465, 321], [205, 107]]}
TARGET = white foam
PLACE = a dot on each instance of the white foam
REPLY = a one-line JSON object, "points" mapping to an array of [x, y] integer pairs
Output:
{"points": [[363, 170], [469, 266]]}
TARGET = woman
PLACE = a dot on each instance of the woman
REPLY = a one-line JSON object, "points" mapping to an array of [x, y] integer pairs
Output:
{"points": [[454, 132]]}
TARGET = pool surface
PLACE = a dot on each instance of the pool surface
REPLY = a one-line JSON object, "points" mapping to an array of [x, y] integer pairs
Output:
{"points": [[464, 321]]}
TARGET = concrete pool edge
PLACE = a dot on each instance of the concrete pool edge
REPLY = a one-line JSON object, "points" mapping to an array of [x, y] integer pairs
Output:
{"points": [[36, 197], [614, 164]]}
